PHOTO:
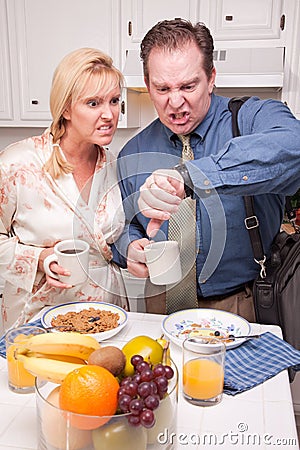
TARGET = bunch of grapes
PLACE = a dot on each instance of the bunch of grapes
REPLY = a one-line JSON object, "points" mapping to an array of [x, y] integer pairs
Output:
{"points": [[140, 394]]}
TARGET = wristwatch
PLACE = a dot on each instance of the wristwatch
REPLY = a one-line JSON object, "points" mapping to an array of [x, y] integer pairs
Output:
{"points": [[188, 184]]}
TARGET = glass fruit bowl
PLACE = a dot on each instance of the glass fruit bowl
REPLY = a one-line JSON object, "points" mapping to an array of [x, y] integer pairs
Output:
{"points": [[61, 430]]}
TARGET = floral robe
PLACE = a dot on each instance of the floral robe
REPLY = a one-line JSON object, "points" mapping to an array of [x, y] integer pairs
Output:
{"points": [[37, 211]]}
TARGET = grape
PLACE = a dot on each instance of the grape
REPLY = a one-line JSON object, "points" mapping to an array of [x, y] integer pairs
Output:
{"points": [[162, 384], [136, 359], [142, 366], [121, 391], [169, 372], [131, 388], [124, 402], [154, 388], [125, 381], [159, 370], [152, 401], [161, 395], [144, 389], [134, 420], [136, 406], [147, 418], [137, 378], [147, 375]]}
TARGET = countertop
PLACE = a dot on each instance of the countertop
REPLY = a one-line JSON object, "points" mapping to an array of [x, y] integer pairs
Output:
{"points": [[261, 418]]}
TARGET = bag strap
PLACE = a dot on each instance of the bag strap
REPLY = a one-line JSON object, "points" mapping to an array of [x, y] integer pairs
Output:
{"points": [[251, 220]]}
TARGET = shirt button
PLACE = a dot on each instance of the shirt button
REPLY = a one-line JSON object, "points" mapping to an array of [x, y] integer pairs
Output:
{"points": [[207, 191], [206, 182], [245, 178], [203, 281]]}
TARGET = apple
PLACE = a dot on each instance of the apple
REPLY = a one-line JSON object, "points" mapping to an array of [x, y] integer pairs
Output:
{"points": [[145, 346], [118, 434]]}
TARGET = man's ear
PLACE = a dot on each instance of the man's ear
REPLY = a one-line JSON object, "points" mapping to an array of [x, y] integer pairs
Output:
{"points": [[211, 83], [146, 83]]}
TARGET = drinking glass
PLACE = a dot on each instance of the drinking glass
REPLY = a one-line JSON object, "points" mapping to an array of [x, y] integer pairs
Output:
{"points": [[203, 370], [19, 380]]}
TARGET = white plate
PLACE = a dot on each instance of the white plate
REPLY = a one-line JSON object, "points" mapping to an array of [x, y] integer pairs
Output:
{"points": [[179, 325], [79, 306]]}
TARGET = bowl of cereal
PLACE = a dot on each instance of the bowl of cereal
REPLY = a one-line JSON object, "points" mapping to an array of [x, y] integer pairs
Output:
{"points": [[98, 319]]}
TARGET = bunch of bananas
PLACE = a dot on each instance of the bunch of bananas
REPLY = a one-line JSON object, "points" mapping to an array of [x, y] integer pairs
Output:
{"points": [[51, 356]]}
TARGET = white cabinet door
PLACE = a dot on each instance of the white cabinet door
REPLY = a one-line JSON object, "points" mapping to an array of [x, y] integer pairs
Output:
{"points": [[45, 31], [244, 19], [6, 112], [138, 16], [291, 88]]}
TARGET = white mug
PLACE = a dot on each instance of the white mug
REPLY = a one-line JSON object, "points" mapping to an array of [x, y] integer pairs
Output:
{"points": [[163, 261], [72, 255]]}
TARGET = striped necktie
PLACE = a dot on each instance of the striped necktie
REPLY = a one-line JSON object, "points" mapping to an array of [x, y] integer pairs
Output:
{"points": [[182, 228]]}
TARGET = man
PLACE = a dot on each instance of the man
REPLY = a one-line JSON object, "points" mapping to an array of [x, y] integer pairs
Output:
{"points": [[264, 162]]}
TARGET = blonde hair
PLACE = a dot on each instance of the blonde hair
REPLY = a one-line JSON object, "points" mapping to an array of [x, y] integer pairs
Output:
{"points": [[68, 85]]}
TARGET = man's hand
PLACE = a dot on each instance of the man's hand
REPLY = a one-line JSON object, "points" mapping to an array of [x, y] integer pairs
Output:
{"points": [[160, 196], [136, 261]]}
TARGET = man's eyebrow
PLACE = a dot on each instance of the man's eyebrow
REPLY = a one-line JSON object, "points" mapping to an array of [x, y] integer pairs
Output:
{"points": [[183, 83]]}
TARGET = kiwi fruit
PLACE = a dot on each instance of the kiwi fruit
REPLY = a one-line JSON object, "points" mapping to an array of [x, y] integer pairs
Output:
{"points": [[110, 357]]}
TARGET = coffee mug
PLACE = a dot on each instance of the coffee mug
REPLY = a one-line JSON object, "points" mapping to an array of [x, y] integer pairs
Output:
{"points": [[163, 262], [72, 255]]}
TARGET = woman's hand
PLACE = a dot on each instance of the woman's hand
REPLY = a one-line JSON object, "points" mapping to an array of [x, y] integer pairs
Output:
{"points": [[136, 260], [55, 268], [160, 196]]}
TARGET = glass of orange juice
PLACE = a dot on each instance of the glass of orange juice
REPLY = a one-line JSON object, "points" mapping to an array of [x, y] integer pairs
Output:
{"points": [[203, 370], [19, 380]]}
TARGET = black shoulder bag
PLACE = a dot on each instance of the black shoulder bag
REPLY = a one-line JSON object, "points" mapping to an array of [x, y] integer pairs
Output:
{"points": [[276, 290]]}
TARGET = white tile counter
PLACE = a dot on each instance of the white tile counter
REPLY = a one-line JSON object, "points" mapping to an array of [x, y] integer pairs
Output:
{"points": [[261, 418]]}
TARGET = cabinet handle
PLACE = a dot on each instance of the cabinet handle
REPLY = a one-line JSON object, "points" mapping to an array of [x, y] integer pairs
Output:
{"points": [[282, 22], [34, 102], [123, 107], [229, 18], [129, 28]]}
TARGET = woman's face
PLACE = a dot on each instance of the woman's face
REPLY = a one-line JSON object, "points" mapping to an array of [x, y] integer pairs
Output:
{"points": [[93, 119]]}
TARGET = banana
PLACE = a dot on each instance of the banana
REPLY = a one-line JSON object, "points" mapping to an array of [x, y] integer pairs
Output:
{"points": [[166, 358], [47, 369], [72, 359], [66, 343]]}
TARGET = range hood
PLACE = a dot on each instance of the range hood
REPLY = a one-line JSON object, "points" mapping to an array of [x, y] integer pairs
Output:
{"points": [[236, 67]]}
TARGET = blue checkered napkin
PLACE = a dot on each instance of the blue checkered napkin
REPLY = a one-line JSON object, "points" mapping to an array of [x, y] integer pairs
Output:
{"points": [[257, 360], [36, 323]]}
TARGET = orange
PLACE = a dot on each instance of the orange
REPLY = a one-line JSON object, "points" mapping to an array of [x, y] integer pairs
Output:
{"points": [[90, 390]]}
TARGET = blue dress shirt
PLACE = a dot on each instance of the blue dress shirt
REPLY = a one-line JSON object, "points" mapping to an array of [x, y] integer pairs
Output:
{"points": [[264, 161]]}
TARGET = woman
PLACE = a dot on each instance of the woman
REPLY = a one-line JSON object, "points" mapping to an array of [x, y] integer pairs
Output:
{"points": [[62, 185]]}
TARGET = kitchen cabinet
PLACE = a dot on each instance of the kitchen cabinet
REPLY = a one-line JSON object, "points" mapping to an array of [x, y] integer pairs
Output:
{"points": [[6, 112], [39, 34], [244, 20], [291, 88], [235, 24], [138, 16]]}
